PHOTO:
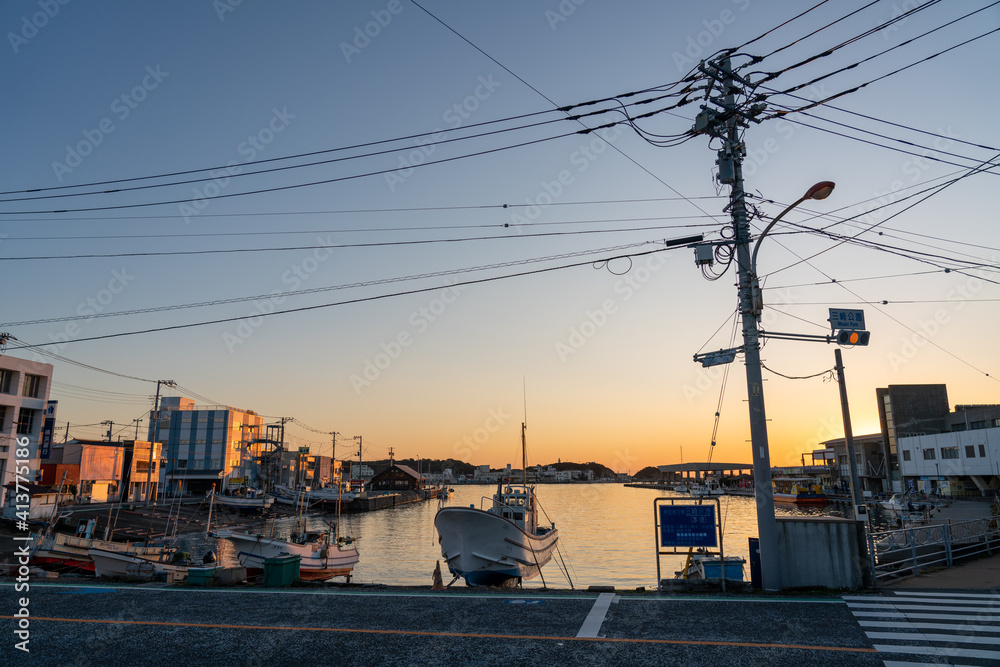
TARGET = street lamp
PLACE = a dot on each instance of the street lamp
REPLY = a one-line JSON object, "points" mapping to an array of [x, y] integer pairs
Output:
{"points": [[750, 307], [821, 190]]}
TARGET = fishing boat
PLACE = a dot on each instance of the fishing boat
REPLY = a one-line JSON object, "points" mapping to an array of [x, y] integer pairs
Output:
{"points": [[320, 553], [119, 564], [61, 552], [320, 557], [710, 488], [249, 502], [500, 545], [798, 490]]}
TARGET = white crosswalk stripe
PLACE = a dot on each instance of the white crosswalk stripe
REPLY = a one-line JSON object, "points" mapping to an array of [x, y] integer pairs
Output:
{"points": [[913, 628]]}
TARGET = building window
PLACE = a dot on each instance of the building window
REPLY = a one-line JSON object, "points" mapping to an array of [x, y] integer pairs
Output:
{"points": [[32, 386], [6, 381], [929, 455], [3, 418], [843, 459], [949, 452], [26, 421], [985, 423], [970, 451], [199, 464], [182, 464], [906, 454], [982, 450]]}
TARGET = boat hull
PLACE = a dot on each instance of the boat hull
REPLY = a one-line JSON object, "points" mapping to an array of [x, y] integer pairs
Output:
{"points": [[488, 550], [802, 498], [118, 564], [317, 562]]}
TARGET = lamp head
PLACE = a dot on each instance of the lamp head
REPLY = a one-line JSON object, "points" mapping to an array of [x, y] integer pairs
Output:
{"points": [[821, 190]]}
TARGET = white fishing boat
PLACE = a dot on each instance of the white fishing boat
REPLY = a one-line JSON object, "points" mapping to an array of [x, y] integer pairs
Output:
{"points": [[710, 488], [63, 552], [320, 557], [120, 564], [500, 545], [245, 503]]}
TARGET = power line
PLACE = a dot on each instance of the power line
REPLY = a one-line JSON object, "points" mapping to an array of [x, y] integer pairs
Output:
{"points": [[360, 230], [339, 246], [368, 144], [546, 98], [342, 303], [340, 179], [319, 162], [274, 296], [855, 89]]}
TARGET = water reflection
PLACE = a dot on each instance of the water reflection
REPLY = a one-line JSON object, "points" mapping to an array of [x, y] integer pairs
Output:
{"points": [[606, 535]]}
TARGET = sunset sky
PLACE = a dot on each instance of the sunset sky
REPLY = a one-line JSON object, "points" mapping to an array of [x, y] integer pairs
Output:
{"points": [[598, 353]]}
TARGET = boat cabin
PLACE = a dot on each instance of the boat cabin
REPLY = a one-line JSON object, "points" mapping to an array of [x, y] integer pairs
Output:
{"points": [[516, 504]]}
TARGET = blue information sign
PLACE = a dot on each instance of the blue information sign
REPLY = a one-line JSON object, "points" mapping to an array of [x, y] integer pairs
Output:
{"points": [[847, 319], [687, 526]]}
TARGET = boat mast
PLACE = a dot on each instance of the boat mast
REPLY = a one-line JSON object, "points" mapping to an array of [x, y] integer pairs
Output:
{"points": [[524, 455]]}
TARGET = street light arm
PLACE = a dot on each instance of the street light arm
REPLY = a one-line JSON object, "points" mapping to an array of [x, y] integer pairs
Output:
{"points": [[756, 246], [821, 190]]}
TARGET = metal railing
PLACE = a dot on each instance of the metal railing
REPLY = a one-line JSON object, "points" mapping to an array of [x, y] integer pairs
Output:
{"points": [[912, 550]]}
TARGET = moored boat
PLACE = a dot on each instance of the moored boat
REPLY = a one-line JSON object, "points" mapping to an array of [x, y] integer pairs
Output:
{"points": [[500, 545], [320, 557], [798, 490], [119, 564], [63, 552], [247, 503]]}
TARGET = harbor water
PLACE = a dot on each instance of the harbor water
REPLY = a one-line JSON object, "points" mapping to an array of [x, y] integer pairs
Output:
{"points": [[606, 535]]}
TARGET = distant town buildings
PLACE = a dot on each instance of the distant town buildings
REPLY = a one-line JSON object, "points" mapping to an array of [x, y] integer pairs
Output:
{"points": [[924, 446]]}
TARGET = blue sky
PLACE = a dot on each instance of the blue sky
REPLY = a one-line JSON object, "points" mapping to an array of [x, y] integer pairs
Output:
{"points": [[154, 88]]}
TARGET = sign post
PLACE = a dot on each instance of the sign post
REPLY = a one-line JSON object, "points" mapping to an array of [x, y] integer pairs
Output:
{"points": [[687, 527]]}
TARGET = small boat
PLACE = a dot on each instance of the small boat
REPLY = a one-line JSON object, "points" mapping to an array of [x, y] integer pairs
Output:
{"points": [[705, 565], [63, 552], [710, 488], [798, 490], [119, 564], [499, 546], [320, 557], [248, 503]]}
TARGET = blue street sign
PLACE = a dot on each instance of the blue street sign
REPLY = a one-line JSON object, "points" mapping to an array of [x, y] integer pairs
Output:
{"points": [[687, 526], [847, 319]]}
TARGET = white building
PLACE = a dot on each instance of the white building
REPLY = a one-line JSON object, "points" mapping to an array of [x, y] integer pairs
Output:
{"points": [[24, 392], [952, 464]]}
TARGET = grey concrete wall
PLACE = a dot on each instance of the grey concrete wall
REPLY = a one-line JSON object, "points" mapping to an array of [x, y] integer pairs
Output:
{"points": [[819, 552]]}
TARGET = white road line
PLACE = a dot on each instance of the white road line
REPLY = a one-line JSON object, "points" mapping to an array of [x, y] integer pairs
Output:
{"points": [[929, 594], [977, 618], [884, 614], [930, 637], [937, 650], [595, 619], [924, 601], [899, 625], [924, 606]]}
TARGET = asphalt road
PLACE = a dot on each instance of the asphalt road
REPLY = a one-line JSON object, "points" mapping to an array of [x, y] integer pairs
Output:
{"points": [[90, 625]]}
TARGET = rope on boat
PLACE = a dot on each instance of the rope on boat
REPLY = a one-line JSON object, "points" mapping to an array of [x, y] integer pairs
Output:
{"points": [[535, 556], [565, 571]]}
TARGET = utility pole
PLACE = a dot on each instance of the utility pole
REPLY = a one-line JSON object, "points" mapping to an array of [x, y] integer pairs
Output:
{"points": [[726, 126], [111, 425], [857, 495], [154, 423], [391, 454], [137, 422]]}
